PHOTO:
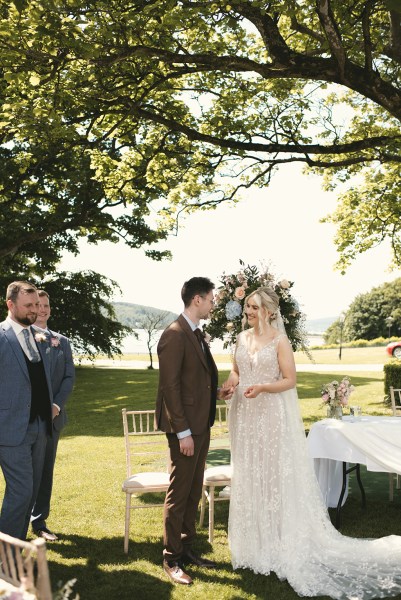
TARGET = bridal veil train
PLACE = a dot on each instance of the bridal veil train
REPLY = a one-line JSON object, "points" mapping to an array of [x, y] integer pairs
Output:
{"points": [[278, 522]]}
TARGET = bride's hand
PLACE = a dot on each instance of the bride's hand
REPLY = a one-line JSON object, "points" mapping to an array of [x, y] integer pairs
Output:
{"points": [[252, 391], [231, 382]]}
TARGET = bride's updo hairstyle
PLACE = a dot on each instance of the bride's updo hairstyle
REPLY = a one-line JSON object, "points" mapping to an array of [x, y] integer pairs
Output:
{"points": [[265, 298]]}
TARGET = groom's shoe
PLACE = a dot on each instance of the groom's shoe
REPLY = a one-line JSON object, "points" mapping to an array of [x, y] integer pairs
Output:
{"points": [[46, 534], [176, 573], [190, 558]]}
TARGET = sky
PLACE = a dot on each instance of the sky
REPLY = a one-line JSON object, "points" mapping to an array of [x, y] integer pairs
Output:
{"points": [[278, 226]]}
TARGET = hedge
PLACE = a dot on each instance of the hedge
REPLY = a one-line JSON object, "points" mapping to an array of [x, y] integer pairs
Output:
{"points": [[380, 341], [392, 375]]}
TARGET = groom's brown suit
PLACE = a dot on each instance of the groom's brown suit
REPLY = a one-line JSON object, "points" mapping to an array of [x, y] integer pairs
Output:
{"points": [[186, 400]]}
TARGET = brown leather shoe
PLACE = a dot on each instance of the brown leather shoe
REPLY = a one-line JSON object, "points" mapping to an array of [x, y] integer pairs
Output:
{"points": [[46, 534], [176, 573], [190, 558]]}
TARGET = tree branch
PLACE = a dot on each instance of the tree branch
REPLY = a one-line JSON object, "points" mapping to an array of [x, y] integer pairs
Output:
{"points": [[195, 135], [333, 36]]}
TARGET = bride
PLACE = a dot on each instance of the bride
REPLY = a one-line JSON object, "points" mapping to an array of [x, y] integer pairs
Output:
{"points": [[277, 519]]}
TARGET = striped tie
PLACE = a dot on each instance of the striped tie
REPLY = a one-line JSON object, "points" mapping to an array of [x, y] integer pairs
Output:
{"points": [[35, 357]]}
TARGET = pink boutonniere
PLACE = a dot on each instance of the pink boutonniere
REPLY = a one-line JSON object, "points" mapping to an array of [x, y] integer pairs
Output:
{"points": [[54, 342], [40, 337]]}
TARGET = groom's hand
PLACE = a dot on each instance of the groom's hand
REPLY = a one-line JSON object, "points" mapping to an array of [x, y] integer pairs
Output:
{"points": [[187, 445], [225, 393]]}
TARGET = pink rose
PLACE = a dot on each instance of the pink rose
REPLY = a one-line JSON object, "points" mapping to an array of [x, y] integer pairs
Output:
{"points": [[40, 337], [54, 342], [239, 292], [284, 284]]}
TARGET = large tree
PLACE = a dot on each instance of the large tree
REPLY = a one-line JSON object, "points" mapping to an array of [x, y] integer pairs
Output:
{"points": [[368, 313], [118, 115], [367, 317]]}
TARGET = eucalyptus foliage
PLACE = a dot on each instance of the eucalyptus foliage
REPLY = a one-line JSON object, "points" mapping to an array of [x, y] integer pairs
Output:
{"points": [[117, 116]]}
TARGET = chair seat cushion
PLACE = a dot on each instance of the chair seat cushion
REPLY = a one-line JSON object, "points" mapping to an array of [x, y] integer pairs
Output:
{"points": [[147, 482], [221, 473]]}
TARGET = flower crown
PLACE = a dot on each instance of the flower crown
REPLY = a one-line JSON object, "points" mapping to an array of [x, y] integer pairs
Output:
{"points": [[226, 320]]}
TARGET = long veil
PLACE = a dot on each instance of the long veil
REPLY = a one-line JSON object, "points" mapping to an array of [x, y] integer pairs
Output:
{"points": [[309, 552]]}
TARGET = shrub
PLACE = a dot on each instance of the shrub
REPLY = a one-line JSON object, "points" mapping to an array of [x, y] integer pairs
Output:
{"points": [[392, 376]]}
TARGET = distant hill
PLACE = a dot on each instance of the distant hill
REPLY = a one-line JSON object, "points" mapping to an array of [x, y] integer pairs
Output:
{"points": [[133, 314], [319, 325]]}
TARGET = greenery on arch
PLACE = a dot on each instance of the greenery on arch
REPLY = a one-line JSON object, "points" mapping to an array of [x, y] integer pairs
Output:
{"points": [[226, 320]]}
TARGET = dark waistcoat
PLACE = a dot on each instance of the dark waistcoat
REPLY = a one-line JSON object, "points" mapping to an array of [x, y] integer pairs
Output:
{"points": [[40, 399]]}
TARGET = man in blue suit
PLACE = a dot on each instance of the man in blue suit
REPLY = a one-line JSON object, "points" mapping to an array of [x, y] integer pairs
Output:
{"points": [[62, 374], [26, 407]]}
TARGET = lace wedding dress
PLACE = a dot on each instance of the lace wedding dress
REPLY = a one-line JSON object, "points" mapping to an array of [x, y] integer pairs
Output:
{"points": [[277, 520]]}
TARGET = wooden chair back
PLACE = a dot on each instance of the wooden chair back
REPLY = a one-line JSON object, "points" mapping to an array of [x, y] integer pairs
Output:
{"points": [[147, 460], [395, 396], [145, 445], [17, 559]]}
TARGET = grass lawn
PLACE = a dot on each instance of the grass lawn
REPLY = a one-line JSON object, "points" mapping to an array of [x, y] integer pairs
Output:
{"points": [[349, 356], [88, 505]]}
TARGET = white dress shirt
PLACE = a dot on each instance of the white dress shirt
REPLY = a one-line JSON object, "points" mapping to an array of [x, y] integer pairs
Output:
{"points": [[18, 328]]}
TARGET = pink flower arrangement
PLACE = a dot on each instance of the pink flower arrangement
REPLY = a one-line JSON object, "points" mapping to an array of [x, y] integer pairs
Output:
{"points": [[337, 393], [226, 319]]}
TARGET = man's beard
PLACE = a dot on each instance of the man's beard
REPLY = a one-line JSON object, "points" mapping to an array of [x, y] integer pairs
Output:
{"points": [[26, 320]]}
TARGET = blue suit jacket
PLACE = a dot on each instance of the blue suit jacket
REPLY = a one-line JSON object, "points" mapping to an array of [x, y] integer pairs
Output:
{"points": [[62, 374], [15, 387]]}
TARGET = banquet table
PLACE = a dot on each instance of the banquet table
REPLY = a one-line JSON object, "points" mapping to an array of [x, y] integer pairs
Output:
{"points": [[371, 441]]}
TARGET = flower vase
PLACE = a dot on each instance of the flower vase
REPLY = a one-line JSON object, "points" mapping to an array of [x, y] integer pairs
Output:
{"points": [[335, 412]]}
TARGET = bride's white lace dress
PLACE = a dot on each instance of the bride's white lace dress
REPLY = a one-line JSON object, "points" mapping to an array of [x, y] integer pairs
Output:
{"points": [[277, 520]]}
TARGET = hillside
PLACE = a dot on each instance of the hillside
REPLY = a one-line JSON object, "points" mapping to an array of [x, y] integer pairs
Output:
{"points": [[319, 325], [132, 314]]}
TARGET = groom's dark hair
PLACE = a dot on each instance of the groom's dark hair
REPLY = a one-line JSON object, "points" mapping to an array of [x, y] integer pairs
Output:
{"points": [[194, 287]]}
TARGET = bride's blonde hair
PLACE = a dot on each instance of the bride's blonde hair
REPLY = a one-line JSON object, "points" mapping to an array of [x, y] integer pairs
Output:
{"points": [[266, 298]]}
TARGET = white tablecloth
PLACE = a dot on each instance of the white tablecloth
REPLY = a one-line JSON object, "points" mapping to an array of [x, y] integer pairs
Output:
{"points": [[371, 441]]}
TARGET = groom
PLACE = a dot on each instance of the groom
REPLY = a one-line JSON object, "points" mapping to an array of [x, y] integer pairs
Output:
{"points": [[185, 410]]}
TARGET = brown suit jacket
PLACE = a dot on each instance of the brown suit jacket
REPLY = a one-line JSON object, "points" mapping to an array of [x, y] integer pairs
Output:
{"points": [[187, 392]]}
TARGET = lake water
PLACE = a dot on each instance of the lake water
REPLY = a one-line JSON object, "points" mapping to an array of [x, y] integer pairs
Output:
{"points": [[132, 345]]}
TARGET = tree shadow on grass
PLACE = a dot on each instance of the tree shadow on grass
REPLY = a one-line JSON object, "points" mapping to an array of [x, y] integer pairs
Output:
{"points": [[104, 572]]}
